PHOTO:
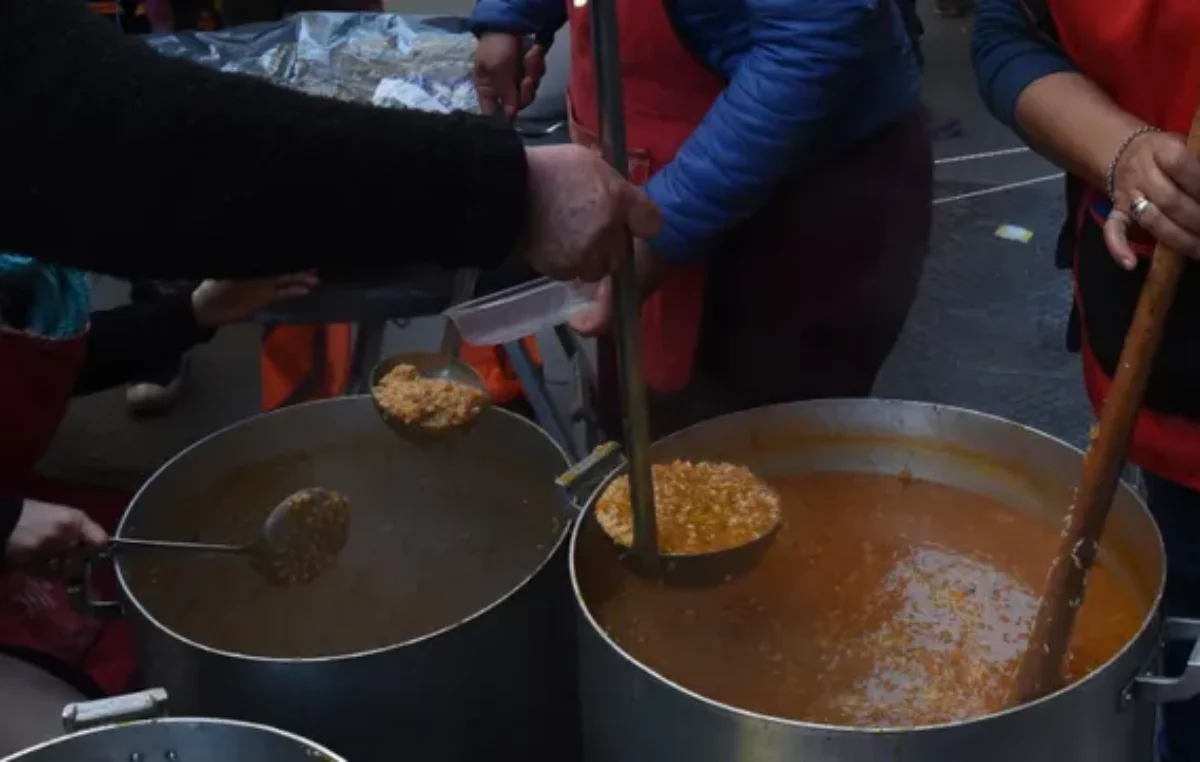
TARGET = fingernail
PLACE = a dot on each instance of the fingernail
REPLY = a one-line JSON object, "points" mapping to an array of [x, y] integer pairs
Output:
{"points": [[1129, 263]]}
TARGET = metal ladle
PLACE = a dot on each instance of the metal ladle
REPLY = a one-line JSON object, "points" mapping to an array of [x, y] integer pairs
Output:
{"points": [[443, 364], [299, 541], [627, 304], [587, 480]]}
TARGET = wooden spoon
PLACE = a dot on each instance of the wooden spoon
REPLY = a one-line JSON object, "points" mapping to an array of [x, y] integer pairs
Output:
{"points": [[1040, 670]]}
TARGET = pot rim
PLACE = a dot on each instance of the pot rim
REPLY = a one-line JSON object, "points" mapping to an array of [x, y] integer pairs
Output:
{"points": [[127, 593], [314, 749], [835, 402]]}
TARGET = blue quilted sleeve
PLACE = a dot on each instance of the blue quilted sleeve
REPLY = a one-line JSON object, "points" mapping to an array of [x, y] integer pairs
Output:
{"points": [[535, 17], [793, 77], [1009, 55]]}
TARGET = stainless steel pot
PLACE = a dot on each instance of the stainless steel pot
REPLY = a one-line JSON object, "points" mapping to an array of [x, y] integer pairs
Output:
{"points": [[116, 730], [632, 714], [477, 528]]}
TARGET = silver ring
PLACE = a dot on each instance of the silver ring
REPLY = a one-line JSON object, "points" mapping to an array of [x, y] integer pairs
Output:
{"points": [[1139, 207]]}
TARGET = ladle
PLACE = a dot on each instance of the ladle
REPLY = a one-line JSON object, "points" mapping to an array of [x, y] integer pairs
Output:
{"points": [[626, 294], [645, 557], [443, 364], [1040, 668], [298, 542], [591, 476]]}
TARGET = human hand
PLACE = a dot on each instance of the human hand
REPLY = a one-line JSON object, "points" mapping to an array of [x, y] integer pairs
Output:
{"points": [[502, 80], [581, 213], [219, 302], [598, 320], [45, 530], [1156, 167]]}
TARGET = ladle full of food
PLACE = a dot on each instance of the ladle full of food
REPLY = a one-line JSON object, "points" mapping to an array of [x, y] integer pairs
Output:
{"points": [[428, 396], [298, 542], [425, 396], [714, 520]]}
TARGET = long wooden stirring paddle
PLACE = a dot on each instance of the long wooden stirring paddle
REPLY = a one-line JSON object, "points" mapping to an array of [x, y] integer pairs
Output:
{"points": [[1040, 669]]}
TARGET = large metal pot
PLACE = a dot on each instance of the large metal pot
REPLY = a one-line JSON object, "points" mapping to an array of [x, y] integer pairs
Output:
{"points": [[632, 714], [476, 528], [119, 729]]}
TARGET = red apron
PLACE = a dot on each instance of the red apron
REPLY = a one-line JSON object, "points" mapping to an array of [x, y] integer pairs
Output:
{"points": [[35, 387], [660, 113], [1144, 55]]}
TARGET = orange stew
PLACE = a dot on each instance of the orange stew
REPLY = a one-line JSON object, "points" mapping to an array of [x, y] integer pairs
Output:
{"points": [[883, 602]]}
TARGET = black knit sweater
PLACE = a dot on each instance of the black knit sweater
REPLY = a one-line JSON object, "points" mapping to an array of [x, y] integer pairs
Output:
{"points": [[116, 159]]}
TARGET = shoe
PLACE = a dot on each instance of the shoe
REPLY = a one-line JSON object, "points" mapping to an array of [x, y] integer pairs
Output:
{"points": [[951, 9], [149, 398]]}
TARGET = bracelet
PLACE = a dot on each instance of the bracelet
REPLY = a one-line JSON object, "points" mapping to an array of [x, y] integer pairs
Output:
{"points": [[1110, 177]]}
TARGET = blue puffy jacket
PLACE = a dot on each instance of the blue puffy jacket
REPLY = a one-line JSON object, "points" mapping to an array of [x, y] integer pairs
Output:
{"points": [[806, 79]]}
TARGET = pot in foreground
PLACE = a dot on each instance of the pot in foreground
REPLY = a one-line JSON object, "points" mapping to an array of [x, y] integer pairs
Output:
{"points": [[131, 727], [632, 713], [454, 572]]}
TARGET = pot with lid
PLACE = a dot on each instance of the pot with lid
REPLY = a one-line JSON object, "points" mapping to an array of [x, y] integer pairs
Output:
{"points": [[131, 728], [445, 628], [885, 619]]}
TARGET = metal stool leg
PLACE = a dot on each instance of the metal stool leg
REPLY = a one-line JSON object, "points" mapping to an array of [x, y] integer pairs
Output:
{"points": [[368, 346], [586, 386], [533, 381]]}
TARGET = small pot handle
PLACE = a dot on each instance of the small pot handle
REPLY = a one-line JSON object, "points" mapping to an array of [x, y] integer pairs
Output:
{"points": [[80, 591], [578, 482], [1159, 689], [144, 705]]}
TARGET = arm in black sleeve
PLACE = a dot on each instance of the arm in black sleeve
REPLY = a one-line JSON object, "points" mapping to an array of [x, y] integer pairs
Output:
{"points": [[10, 513], [129, 342], [240, 177]]}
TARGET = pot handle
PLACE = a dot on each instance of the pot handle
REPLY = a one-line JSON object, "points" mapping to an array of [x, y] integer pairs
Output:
{"points": [[80, 591], [144, 705], [1160, 689], [578, 482]]}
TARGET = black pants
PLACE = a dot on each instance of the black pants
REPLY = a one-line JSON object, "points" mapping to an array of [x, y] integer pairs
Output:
{"points": [[144, 291], [1177, 511], [914, 27]]}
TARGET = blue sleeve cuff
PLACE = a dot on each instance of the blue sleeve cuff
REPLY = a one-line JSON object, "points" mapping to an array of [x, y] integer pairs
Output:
{"points": [[671, 243], [1009, 55], [536, 17]]}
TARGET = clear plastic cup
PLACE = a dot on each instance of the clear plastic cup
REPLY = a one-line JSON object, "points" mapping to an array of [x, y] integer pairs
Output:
{"points": [[521, 311]]}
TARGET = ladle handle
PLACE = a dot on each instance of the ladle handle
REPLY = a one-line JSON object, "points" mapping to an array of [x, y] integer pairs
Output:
{"points": [[583, 479], [1040, 668], [123, 543], [627, 300]]}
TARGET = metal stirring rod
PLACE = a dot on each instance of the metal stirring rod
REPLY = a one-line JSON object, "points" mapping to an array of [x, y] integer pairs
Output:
{"points": [[626, 299]]}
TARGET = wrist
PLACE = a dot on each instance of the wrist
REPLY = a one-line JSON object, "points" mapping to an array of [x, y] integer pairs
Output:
{"points": [[1118, 156]]}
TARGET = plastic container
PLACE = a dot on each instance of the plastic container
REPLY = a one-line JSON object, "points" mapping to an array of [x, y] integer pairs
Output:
{"points": [[520, 311]]}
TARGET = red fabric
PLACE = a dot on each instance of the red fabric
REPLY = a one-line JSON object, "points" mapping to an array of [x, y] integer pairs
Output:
{"points": [[1143, 53], [35, 387], [496, 369], [35, 613], [287, 357], [1166, 445], [667, 93]]}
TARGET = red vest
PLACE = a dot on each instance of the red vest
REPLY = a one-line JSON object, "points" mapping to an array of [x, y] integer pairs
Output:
{"points": [[1146, 55], [667, 93], [37, 376]]}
